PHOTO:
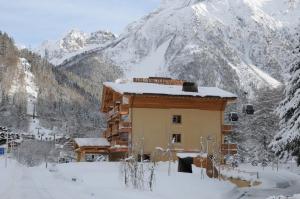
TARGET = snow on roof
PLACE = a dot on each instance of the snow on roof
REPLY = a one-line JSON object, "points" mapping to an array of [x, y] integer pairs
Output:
{"points": [[162, 89], [191, 155], [81, 142]]}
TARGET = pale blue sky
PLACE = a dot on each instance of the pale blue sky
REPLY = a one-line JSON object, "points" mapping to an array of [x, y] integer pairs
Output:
{"points": [[32, 21]]}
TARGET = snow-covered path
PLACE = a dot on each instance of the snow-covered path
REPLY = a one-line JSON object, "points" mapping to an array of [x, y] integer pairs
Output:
{"points": [[32, 183], [273, 184]]}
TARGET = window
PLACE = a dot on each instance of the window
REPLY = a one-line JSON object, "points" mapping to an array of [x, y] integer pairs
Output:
{"points": [[176, 119], [176, 138]]}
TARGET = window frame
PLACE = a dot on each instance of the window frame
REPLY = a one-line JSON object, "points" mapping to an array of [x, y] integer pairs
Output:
{"points": [[176, 138], [176, 119]]}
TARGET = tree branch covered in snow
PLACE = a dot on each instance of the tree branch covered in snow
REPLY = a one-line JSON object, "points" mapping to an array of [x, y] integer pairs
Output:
{"points": [[287, 142]]}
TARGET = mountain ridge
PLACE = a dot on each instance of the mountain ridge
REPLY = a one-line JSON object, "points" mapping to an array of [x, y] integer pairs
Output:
{"points": [[73, 43]]}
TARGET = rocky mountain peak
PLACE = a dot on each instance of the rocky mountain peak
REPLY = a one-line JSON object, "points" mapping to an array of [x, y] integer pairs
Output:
{"points": [[74, 42]]}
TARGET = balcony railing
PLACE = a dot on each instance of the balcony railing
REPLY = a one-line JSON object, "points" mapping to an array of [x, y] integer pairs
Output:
{"points": [[125, 127], [123, 124], [226, 129], [121, 142], [229, 149], [122, 109]]}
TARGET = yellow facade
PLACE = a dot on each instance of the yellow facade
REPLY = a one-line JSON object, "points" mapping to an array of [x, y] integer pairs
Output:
{"points": [[155, 127]]}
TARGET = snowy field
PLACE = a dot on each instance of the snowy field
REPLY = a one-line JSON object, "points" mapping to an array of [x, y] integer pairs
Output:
{"points": [[102, 180]]}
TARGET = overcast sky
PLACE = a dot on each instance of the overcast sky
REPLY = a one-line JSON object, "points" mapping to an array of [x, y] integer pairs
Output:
{"points": [[32, 21]]}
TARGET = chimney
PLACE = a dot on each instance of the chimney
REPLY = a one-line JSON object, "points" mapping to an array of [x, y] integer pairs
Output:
{"points": [[190, 87]]}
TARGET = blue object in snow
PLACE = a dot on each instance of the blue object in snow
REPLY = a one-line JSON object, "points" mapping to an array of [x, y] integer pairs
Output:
{"points": [[2, 151]]}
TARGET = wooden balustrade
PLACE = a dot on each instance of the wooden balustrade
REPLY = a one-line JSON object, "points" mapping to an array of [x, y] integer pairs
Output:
{"points": [[121, 142], [229, 149], [226, 129]]}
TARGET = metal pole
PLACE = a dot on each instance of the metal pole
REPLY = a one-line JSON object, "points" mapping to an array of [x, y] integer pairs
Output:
{"points": [[6, 149]]}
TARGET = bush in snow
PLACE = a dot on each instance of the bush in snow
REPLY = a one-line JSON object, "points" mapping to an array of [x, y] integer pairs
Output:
{"points": [[136, 171]]}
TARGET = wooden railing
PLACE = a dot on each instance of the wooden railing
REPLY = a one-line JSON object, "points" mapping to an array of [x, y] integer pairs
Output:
{"points": [[125, 127], [123, 124], [226, 129], [122, 109], [229, 149], [121, 142]]}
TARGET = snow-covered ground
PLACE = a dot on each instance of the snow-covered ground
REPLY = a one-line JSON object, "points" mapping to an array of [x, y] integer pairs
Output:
{"points": [[297, 196], [100, 180], [103, 180], [284, 182]]}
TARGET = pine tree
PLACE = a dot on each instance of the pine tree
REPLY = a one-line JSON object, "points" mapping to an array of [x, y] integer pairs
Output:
{"points": [[287, 142], [255, 132]]}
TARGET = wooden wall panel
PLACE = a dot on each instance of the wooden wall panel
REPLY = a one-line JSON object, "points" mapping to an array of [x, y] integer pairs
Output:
{"points": [[178, 102]]}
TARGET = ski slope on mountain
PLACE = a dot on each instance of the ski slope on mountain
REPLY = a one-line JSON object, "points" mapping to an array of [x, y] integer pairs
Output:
{"points": [[31, 92]]}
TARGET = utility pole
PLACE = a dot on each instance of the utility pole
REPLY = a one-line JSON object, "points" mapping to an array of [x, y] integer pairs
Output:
{"points": [[6, 149], [38, 128], [33, 114]]}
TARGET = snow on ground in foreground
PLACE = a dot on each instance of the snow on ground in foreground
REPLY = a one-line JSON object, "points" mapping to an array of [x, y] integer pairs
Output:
{"points": [[284, 182], [284, 197], [101, 180]]}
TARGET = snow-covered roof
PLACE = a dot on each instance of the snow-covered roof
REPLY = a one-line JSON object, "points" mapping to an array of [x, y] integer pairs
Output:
{"points": [[84, 142], [191, 155], [162, 89]]}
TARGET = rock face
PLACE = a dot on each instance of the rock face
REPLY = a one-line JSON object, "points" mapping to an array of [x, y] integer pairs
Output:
{"points": [[73, 43], [240, 45]]}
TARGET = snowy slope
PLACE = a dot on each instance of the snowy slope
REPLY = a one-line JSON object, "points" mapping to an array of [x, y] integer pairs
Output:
{"points": [[242, 45], [211, 42], [102, 180], [31, 92], [73, 43]]}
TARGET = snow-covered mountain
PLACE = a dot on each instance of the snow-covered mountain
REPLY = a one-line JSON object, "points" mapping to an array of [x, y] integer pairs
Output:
{"points": [[241, 44], [73, 43]]}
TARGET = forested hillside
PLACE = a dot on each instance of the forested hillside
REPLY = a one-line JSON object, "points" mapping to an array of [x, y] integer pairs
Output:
{"points": [[13, 105], [66, 102]]}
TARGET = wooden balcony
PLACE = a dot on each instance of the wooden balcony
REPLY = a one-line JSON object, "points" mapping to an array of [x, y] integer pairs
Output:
{"points": [[124, 109], [117, 112], [124, 124], [105, 133], [118, 149], [125, 127], [229, 149], [121, 142], [226, 129]]}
